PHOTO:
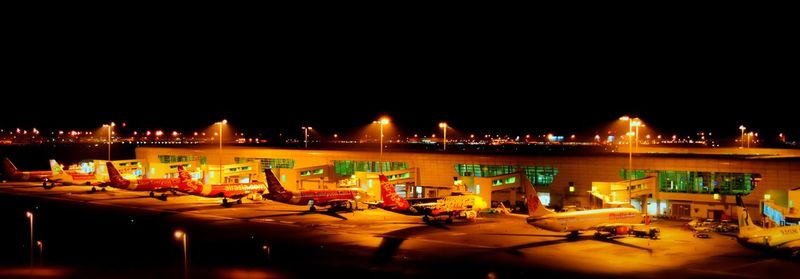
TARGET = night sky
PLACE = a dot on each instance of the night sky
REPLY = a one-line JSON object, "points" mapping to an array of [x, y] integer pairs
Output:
{"points": [[337, 84]]}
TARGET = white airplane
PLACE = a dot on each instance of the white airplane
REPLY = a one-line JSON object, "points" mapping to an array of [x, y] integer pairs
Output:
{"points": [[780, 239], [617, 221]]}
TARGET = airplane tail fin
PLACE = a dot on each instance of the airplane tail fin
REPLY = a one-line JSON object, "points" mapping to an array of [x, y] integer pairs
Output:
{"points": [[184, 175], [745, 223], [115, 178], [535, 207], [273, 185], [55, 167], [390, 197], [8, 167]]}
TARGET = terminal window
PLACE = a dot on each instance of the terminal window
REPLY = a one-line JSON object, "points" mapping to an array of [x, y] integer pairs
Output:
{"points": [[348, 167], [538, 175]]}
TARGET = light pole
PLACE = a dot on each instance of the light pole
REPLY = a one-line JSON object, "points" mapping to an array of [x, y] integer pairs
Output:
{"points": [[30, 217], [180, 235], [382, 121], [741, 127], [443, 125], [748, 139], [306, 132], [223, 122], [109, 126], [41, 255], [631, 122]]}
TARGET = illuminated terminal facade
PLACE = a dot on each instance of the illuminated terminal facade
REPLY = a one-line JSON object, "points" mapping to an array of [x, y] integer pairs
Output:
{"points": [[675, 185]]}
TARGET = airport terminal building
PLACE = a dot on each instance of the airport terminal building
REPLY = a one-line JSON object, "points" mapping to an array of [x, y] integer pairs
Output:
{"points": [[678, 184]]}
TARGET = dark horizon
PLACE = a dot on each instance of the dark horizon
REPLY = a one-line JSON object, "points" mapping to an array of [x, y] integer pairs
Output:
{"points": [[678, 84]]}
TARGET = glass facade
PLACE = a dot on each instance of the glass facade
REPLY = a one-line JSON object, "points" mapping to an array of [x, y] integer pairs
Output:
{"points": [[539, 175], [347, 167], [635, 174], [405, 175], [275, 163], [166, 159], [699, 182]]}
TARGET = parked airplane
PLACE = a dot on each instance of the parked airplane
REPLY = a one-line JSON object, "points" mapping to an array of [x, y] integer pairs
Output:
{"points": [[11, 173], [335, 198], [145, 184], [615, 220], [235, 191], [448, 207], [63, 177], [782, 239]]}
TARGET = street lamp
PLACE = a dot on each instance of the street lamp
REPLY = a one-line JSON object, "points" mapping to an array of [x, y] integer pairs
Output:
{"points": [[443, 125], [30, 217], [41, 247], [223, 122], [631, 123], [180, 235], [748, 139], [306, 132], [382, 121], [109, 126], [741, 127]]}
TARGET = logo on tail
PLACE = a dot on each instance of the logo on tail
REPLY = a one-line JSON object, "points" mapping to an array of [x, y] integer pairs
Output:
{"points": [[115, 177], [390, 197]]}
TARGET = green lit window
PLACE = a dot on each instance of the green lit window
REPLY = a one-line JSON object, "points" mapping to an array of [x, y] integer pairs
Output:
{"points": [[497, 182], [511, 180], [635, 174], [405, 175], [347, 167], [305, 173], [319, 171], [275, 163], [538, 175], [166, 159], [726, 183]]}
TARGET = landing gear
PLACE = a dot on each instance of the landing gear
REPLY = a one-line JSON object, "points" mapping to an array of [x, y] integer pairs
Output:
{"points": [[102, 189], [225, 202], [163, 197], [152, 194], [312, 208], [239, 201], [573, 235], [426, 219], [93, 189], [449, 220]]}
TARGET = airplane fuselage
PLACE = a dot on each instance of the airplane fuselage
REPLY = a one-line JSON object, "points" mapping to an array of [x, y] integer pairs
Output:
{"points": [[145, 184], [585, 220], [320, 197], [772, 237], [230, 190]]}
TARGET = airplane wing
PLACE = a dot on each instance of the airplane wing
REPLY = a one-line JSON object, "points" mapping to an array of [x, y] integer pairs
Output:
{"points": [[794, 244]]}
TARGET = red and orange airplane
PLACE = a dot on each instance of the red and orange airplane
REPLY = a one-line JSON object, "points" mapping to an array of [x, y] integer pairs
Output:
{"points": [[145, 184], [235, 191], [11, 173], [335, 198]]}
